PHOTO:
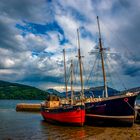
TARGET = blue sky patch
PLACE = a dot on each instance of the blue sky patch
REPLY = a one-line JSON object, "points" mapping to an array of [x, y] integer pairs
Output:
{"points": [[77, 15], [40, 29], [43, 29], [44, 53], [84, 33]]}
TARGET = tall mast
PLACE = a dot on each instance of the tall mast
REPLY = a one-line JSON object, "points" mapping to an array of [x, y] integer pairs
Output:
{"points": [[80, 65], [71, 82], [65, 74], [102, 59]]}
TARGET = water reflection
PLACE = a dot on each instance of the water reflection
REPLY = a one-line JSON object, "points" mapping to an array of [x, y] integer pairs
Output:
{"points": [[68, 132], [63, 132]]}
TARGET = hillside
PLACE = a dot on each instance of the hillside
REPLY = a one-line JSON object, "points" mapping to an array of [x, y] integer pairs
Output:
{"points": [[23, 92], [18, 91]]}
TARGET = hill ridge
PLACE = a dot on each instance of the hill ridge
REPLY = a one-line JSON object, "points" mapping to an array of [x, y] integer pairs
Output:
{"points": [[9, 90]]}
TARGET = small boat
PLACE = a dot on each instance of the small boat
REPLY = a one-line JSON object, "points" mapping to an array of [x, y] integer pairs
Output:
{"points": [[67, 114], [72, 114], [117, 108]]}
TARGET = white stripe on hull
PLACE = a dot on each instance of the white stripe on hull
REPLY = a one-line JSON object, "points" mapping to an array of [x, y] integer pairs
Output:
{"points": [[113, 117]]}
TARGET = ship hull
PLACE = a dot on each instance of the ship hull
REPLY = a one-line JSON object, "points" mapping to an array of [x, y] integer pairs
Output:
{"points": [[112, 109], [73, 115]]}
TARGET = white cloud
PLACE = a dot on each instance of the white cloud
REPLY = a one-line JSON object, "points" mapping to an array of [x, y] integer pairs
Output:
{"points": [[41, 54], [69, 25]]}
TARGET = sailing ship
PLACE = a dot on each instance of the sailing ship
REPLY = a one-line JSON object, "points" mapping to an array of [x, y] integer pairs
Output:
{"points": [[73, 114], [118, 108]]}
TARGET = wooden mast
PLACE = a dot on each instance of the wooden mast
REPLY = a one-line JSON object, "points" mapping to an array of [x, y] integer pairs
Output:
{"points": [[65, 74], [71, 82], [102, 59], [80, 65]]}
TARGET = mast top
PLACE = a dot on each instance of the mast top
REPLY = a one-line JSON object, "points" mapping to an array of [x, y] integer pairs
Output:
{"points": [[78, 38], [99, 27]]}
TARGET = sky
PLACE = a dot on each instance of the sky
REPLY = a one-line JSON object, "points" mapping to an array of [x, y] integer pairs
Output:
{"points": [[33, 34]]}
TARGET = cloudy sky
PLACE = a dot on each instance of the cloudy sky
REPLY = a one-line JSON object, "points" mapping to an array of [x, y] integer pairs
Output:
{"points": [[33, 34]]}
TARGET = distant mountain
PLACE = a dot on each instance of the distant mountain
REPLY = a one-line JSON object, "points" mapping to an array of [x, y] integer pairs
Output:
{"points": [[52, 91], [10, 90], [99, 91], [95, 91], [136, 89]]}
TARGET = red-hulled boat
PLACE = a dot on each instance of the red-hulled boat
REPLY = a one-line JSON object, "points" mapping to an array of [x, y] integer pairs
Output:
{"points": [[65, 114], [73, 115], [68, 113]]}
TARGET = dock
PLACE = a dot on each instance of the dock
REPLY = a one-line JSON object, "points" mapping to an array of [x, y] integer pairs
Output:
{"points": [[28, 107]]}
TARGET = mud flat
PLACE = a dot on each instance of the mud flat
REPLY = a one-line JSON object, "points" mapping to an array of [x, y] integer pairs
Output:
{"points": [[116, 133]]}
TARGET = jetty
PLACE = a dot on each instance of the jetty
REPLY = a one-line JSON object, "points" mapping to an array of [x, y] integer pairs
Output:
{"points": [[28, 107]]}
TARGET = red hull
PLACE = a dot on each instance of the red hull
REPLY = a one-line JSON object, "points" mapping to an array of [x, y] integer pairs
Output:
{"points": [[75, 116]]}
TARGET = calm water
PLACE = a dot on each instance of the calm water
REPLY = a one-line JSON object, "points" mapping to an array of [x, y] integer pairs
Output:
{"points": [[27, 126]]}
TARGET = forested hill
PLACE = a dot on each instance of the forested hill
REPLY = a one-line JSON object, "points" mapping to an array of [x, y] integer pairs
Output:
{"points": [[18, 91]]}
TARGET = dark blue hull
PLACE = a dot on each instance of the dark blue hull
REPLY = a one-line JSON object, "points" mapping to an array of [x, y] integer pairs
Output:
{"points": [[116, 109]]}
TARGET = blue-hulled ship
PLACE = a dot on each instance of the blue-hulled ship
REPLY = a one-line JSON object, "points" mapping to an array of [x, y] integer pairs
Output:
{"points": [[112, 109], [117, 108]]}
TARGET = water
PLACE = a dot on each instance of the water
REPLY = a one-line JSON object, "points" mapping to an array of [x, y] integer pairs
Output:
{"points": [[27, 126]]}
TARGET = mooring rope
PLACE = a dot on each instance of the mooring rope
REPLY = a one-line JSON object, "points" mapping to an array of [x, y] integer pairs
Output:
{"points": [[132, 108]]}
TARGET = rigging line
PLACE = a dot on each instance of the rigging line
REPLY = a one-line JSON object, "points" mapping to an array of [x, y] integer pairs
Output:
{"points": [[75, 72], [118, 75], [114, 83], [132, 108], [68, 75], [95, 68], [97, 73], [109, 73], [94, 76], [84, 71], [118, 37], [86, 75], [88, 78]]}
